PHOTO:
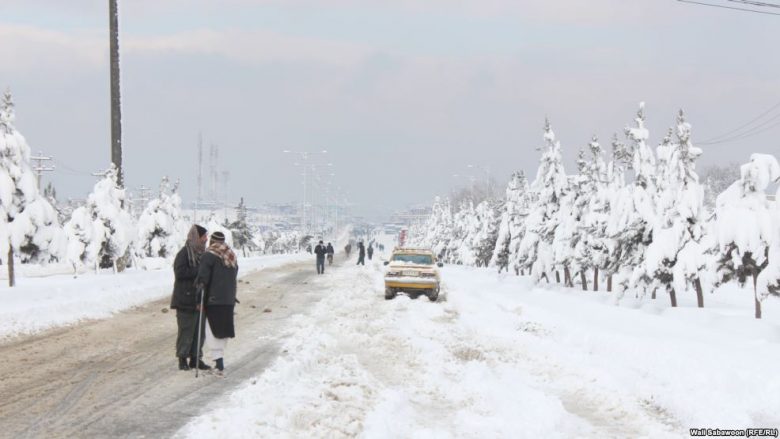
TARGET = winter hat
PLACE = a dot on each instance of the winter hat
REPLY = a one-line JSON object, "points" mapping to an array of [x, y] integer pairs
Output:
{"points": [[218, 237], [201, 230]]}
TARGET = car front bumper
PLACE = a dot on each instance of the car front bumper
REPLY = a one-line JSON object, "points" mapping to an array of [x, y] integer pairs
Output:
{"points": [[416, 283]]}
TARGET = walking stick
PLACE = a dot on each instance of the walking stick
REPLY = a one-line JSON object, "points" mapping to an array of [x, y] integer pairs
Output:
{"points": [[200, 330]]}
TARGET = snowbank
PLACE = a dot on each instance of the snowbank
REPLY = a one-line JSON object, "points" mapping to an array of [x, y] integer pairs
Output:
{"points": [[502, 358], [36, 304]]}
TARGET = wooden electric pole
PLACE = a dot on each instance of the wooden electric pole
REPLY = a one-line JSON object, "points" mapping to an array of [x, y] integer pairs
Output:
{"points": [[116, 101]]}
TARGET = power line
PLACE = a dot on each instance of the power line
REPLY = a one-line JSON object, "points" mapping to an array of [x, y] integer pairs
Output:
{"points": [[756, 3], [728, 7], [742, 136], [747, 124]]}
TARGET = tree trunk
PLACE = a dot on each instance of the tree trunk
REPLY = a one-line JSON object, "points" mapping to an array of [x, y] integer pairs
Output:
{"points": [[755, 294], [584, 280], [557, 277], [699, 293], [116, 101], [652, 296], [11, 274], [567, 276], [673, 296], [596, 279], [609, 283]]}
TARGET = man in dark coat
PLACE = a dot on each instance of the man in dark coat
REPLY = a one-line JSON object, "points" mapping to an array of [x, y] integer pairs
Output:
{"points": [[320, 251], [217, 275], [361, 254], [331, 252], [185, 301], [370, 251]]}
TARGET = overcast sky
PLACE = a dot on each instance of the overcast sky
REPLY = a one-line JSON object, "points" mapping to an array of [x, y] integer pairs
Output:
{"points": [[402, 93]]}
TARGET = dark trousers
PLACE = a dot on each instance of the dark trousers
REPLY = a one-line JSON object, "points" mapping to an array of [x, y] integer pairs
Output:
{"points": [[320, 265], [187, 337], [361, 260]]}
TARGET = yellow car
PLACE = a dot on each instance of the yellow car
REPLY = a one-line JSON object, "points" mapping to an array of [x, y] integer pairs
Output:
{"points": [[413, 271]]}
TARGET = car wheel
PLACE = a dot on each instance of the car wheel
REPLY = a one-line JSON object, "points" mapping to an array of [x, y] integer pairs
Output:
{"points": [[433, 295], [389, 293]]}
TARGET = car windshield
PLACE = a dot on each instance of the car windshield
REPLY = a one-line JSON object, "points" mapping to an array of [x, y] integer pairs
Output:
{"points": [[414, 259]]}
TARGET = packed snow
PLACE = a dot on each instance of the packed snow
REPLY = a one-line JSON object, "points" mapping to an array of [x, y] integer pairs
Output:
{"points": [[501, 357]]}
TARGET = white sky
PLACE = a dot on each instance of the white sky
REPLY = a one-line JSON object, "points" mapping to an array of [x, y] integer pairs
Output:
{"points": [[403, 93]]}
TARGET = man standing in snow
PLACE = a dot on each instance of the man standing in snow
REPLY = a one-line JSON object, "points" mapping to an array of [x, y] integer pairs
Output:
{"points": [[184, 299], [217, 279], [320, 251], [370, 251], [361, 254], [331, 252]]}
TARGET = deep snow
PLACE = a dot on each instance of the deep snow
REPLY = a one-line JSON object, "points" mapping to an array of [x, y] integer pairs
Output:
{"points": [[500, 357]]}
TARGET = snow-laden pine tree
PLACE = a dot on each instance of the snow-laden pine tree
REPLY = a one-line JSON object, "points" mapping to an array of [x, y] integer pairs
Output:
{"points": [[439, 228], [633, 212], [675, 259], [591, 250], [746, 227], [29, 227], [465, 227], [101, 231], [511, 228], [161, 230], [483, 243], [535, 251], [243, 237], [213, 225]]}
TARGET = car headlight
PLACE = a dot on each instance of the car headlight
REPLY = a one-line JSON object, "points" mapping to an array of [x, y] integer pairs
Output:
{"points": [[393, 273]]}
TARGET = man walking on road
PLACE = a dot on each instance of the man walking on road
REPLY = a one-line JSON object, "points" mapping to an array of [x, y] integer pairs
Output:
{"points": [[217, 275], [320, 251], [370, 251], [331, 252], [361, 254], [184, 300]]}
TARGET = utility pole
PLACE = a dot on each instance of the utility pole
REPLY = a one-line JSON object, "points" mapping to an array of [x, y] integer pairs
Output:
{"points": [[116, 101], [200, 177], [39, 168]]}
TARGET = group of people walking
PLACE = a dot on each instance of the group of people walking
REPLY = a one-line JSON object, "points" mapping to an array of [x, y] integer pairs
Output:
{"points": [[322, 251], [204, 297]]}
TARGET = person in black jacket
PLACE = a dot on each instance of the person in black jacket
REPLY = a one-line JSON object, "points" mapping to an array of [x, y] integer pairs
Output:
{"points": [[217, 275], [370, 251], [320, 251], [361, 254], [331, 252], [185, 302]]}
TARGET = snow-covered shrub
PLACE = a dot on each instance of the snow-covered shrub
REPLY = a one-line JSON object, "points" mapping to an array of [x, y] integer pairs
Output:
{"points": [[101, 231], [161, 229]]}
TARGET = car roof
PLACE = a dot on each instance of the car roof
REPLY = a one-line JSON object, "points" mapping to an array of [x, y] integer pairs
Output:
{"points": [[413, 250]]}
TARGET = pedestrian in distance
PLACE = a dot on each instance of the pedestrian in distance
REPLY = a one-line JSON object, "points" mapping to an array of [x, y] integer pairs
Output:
{"points": [[361, 254], [370, 251], [331, 252], [185, 300], [320, 251], [217, 275], [348, 249]]}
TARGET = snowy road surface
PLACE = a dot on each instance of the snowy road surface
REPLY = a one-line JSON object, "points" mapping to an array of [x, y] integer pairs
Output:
{"points": [[118, 377], [497, 358], [500, 358]]}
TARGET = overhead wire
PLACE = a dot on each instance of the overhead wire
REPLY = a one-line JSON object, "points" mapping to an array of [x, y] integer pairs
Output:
{"points": [[735, 131], [728, 7]]}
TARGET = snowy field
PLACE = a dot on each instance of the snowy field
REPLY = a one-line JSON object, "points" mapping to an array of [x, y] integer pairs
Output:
{"points": [[501, 358], [52, 298]]}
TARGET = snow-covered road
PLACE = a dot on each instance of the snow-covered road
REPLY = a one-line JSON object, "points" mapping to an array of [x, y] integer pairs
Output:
{"points": [[499, 358]]}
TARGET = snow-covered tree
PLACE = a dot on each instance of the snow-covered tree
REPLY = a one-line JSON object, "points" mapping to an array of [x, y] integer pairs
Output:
{"points": [[591, 250], [535, 251], [512, 226], [29, 226], [746, 228], [243, 237], [161, 229], [675, 258], [633, 212], [483, 243], [100, 232]]}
